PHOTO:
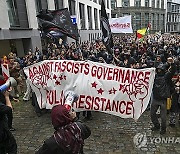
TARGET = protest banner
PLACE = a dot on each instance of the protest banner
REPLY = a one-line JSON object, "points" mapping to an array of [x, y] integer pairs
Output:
{"points": [[101, 87], [121, 25]]}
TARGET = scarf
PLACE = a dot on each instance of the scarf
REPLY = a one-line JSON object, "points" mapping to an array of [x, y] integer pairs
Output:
{"points": [[68, 134], [69, 138]]}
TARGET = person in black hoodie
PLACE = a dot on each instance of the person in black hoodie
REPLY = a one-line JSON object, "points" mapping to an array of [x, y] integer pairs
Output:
{"points": [[7, 141], [161, 91]]}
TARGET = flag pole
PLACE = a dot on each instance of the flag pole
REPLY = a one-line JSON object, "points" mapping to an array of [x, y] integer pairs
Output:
{"points": [[106, 30]]}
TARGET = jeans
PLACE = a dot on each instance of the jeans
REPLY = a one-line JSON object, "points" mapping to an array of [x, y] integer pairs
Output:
{"points": [[163, 112]]}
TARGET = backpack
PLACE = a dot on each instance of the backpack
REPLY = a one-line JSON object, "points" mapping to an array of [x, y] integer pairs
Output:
{"points": [[161, 90]]}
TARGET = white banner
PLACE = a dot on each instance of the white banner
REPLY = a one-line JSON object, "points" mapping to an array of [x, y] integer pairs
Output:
{"points": [[101, 87], [121, 25]]}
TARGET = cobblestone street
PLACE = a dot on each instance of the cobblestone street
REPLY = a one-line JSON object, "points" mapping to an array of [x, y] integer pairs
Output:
{"points": [[110, 134]]}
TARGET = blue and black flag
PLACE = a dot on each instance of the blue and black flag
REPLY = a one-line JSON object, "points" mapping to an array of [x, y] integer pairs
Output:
{"points": [[59, 20], [106, 30]]}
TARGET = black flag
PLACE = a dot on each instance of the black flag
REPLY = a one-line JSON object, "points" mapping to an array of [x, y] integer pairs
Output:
{"points": [[58, 19], [106, 30]]}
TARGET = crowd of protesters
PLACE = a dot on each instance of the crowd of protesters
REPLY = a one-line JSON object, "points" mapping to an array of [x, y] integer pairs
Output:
{"points": [[159, 51], [127, 52]]}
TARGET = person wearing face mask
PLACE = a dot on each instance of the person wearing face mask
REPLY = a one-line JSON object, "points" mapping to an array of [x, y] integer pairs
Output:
{"points": [[69, 134]]}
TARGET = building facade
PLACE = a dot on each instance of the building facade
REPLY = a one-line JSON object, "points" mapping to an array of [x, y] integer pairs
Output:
{"points": [[87, 13], [173, 16], [19, 26], [142, 12]]}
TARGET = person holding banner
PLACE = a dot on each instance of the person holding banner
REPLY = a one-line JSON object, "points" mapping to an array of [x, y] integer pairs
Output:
{"points": [[69, 134]]}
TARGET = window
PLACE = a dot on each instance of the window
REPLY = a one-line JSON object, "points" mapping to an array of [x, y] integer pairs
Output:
{"points": [[137, 21], [162, 4], [95, 1], [169, 28], [108, 15], [169, 18], [41, 4], [146, 19], [125, 3], [58, 4], [72, 7], [153, 21], [177, 9], [158, 4], [173, 19], [158, 22], [175, 27], [161, 20], [168, 7], [100, 1], [173, 8], [95, 18], [38, 6], [113, 4], [108, 4], [13, 13], [146, 3], [89, 17], [100, 17], [137, 3], [153, 3], [82, 16]]}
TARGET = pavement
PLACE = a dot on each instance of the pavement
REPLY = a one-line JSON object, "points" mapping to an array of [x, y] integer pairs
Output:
{"points": [[110, 134]]}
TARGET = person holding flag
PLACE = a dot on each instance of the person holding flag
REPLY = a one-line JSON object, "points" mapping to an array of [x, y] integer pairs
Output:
{"points": [[142, 32]]}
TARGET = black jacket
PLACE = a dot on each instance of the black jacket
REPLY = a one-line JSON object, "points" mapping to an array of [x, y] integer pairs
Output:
{"points": [[5, 111], [163, 83]]}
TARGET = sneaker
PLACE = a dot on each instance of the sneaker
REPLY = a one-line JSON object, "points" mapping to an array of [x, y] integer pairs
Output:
{"points": [[155, 128], [163, 131]]}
